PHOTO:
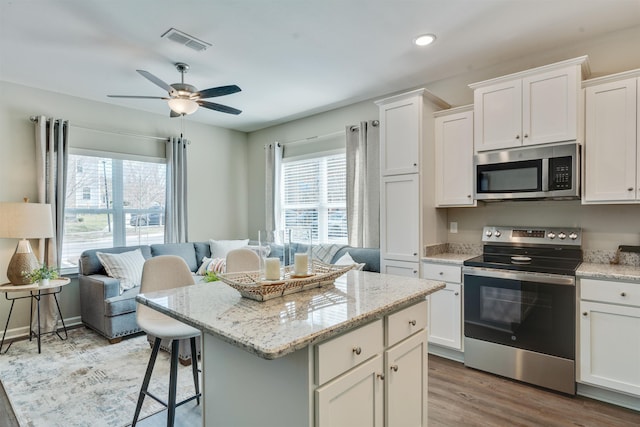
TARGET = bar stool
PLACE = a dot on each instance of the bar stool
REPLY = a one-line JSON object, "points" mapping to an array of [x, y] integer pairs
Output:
{"points": [[160, 273]]}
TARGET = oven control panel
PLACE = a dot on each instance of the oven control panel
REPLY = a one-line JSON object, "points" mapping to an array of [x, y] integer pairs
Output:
{"points": [[533, 235]]}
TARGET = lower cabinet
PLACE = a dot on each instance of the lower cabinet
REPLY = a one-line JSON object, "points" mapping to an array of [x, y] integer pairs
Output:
{"points": [[399, 268], [389, 388], [445, 306], [609, 338]]}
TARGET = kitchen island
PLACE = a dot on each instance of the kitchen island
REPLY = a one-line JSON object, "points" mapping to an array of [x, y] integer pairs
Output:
{"points": [[355, 350]]}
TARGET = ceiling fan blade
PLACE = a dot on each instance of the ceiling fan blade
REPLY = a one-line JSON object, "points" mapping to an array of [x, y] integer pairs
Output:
{"points": [[139, 97], [155, 80], [218, 91], [219, 107], [174, 114]]}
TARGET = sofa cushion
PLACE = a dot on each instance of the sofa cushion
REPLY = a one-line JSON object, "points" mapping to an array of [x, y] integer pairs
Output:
{"points": [[185, 250], [347, 260], [202, 250], [90, 264], [125, 266], [369, 256], [220, 248], [122, 304]]}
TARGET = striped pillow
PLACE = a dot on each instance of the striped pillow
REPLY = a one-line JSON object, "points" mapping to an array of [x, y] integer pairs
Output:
{"points": [[125, 266], [217, 265]]}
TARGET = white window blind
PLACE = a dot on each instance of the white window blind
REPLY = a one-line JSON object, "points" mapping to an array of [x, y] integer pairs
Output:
{"points": [[314, 196], [112, 201]]}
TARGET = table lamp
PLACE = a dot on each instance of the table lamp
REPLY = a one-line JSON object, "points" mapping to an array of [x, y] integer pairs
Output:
{"points": [[24, 221]]}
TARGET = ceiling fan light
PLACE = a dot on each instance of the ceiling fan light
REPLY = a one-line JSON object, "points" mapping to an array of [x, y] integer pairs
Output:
{"points": [[183, 106], [424, 39]]}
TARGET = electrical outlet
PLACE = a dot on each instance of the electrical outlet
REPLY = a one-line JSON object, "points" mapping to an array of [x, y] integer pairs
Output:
{"points": [[453, 227]]}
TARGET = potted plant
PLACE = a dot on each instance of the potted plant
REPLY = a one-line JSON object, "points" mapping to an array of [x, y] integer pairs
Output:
{"points": [[42, 274]]}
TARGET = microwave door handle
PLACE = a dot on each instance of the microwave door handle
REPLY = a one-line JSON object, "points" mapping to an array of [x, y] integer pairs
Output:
{"points": [[545, 175]]}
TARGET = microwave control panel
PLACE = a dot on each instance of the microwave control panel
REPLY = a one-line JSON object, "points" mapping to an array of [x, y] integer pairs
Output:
{"points": [[560, 173]]}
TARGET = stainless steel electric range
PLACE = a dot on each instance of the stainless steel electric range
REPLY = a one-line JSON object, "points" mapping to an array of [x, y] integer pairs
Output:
{"points": [[520, 305]]}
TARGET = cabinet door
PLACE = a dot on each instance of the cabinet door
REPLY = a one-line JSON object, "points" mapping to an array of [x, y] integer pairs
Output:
{"points": [[400, 268], [400, 127], [550, 106], [400, 218], [610, 142], [498, 116], [353, 399], [454, 160], [610, 346], [406, 382], [445, 317]]}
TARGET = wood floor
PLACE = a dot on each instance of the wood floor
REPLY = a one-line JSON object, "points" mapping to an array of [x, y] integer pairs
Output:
{"points": [[460, 396]]}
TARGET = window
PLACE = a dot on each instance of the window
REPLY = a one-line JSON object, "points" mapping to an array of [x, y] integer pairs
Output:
{"points": [[314, 196], [111, 202]]}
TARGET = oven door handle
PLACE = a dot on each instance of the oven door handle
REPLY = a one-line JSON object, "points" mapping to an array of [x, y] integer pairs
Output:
{"points": [[523, 276]]}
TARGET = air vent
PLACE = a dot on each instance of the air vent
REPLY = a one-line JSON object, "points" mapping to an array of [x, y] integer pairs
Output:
{"points": [[186, 40]]}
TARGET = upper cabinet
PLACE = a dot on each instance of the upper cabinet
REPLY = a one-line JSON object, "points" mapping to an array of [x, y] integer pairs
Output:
{"points": [[454, 157], [612, 157], [537, 106]]}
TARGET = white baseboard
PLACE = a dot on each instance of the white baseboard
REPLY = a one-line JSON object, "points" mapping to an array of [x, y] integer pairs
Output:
{"points": [[23, 331], [447, 353], [609, 396]]}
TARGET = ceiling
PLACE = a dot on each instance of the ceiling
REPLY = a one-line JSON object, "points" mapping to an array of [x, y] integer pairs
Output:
{"points": [[292, 58]]}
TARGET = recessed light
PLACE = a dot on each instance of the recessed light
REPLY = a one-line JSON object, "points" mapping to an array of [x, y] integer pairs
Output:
{"points": [[424, 39]]}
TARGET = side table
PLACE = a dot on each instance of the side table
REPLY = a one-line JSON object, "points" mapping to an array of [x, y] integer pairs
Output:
{"points": [[35, 291]]}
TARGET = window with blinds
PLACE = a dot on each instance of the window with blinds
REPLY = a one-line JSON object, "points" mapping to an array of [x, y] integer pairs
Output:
{"points": [[112, 201], [314, 196]]}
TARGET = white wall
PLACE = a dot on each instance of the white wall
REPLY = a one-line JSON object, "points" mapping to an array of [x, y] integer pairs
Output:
{"points": [[217, 160], [605, 226]]}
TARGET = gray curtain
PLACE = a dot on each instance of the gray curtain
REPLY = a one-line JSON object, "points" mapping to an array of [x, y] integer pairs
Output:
{"points": [[176, 226], [273, 162], [363, 184], [52, 142]]}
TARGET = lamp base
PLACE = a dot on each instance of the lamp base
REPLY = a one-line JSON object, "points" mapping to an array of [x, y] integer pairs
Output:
{"points": [[22, 262]]}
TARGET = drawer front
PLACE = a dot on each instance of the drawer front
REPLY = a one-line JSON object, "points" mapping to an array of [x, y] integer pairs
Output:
{"points": [[342, 353], [440, 272], [406, 322], [610, 292]]}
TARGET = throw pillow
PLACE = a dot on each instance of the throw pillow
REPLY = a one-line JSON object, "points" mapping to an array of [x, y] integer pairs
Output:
{"points": [[347, 260], [125, 266], [211, 264], [220, 248], [262, 251]]}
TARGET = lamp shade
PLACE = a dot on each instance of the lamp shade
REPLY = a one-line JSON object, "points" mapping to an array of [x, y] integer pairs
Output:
{"points": [[183, 105], [25, 220]]}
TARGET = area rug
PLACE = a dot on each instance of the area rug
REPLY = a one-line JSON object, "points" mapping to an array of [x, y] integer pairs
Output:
{"points": [[84, 380]]}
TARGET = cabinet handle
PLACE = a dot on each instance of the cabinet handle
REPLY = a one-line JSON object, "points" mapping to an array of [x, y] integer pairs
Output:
{"points": [[526, 135], [381, 376], [630, 189], [585, 313], [394, 368], [468, 196], [415, 164], [441, 273], [415, 254], [456, 293], [623, 294], [517, 136], [357, 350], [412, 322]]}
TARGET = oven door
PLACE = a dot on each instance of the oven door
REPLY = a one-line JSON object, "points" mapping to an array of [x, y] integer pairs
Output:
{"points": [[524, 310]]}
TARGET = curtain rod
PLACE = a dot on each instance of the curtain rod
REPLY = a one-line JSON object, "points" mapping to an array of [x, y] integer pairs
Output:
{"points": [[135, 135], [328, 135]]}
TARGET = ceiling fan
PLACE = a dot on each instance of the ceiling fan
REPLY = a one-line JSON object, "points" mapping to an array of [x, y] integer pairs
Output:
{"points": [[184, 98]]}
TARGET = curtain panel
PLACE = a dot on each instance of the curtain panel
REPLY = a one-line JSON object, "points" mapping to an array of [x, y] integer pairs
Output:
{"points": [[363, 184], [176, 219], [273, 162], [52, 148]]}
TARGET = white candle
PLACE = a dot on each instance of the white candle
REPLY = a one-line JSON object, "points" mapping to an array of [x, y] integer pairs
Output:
{"points": [[272, 269], [301, 264]]}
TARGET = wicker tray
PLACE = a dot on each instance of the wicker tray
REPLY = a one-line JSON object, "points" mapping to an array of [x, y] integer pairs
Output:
{"points": [[249, 285]]}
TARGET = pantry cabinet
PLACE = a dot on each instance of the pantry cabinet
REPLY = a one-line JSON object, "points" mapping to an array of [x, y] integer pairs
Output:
{"points": [[611, 153], [454, 157], [609, 342], [538, 106], [408, 218]]}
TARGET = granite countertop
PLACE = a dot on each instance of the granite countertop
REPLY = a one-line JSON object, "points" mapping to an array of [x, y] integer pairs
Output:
{"points": [[608, 271], [280, 326], [448, 258]]}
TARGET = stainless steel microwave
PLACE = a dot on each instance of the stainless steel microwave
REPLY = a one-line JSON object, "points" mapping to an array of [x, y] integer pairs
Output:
{"points": [[541, 172]]}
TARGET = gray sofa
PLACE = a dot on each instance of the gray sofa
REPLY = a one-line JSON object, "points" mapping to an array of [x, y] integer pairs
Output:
{"points": [[112, 315]]}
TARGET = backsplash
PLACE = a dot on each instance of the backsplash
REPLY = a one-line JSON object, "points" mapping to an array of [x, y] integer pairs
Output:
{"points": [[607, 256], [453, 248]]}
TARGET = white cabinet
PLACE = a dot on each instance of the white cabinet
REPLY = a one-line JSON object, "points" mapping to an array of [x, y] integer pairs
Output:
{"points": [[359, 386], [537, 106], [399, 268], [408, 217], [445, 306], [454, 157], [612, 157], [609, 341]]}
